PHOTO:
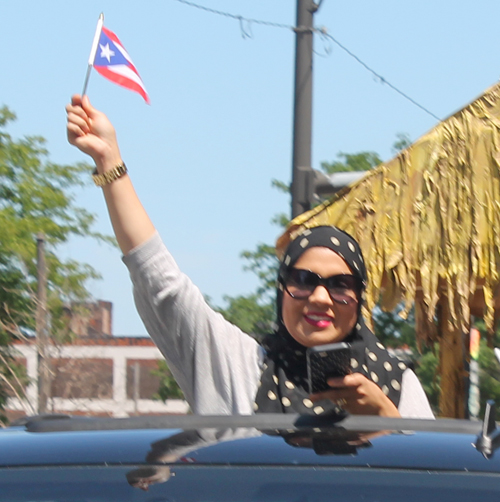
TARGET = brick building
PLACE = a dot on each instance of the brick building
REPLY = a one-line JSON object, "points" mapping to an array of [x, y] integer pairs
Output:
{"points": [[97, 373]]}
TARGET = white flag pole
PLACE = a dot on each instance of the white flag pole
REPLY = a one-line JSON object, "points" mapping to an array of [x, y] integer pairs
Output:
{"points": [[93, 51]]}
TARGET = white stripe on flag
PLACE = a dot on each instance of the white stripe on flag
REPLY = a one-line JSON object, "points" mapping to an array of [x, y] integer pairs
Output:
{"points": [[124, 52], [125, 71]]}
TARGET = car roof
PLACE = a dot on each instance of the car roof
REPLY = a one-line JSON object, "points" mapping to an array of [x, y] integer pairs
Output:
{"points": [[249, 440]]}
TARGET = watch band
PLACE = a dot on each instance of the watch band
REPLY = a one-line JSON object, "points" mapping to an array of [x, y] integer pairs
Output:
{"points": [[109, 176]]}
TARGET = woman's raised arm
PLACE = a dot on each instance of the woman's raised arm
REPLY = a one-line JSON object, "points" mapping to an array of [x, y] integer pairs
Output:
{"points": [[92, 132]]}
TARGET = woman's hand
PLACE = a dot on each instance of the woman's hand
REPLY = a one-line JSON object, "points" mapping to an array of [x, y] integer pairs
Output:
{"points": [[92, 133], [359, 396]]}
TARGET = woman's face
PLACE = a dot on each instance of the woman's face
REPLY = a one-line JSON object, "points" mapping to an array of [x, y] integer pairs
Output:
{"points": [[318, 320]]}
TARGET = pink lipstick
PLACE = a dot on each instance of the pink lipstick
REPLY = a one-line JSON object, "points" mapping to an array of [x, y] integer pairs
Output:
{"points": [[318, 319]]}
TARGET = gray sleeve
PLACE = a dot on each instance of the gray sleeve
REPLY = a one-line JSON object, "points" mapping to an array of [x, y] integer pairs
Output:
{"points": [[413, 402], [216, 365]]}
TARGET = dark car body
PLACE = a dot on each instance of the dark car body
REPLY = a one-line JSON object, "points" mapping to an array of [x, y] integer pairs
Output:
{"points": [[243, 459]]}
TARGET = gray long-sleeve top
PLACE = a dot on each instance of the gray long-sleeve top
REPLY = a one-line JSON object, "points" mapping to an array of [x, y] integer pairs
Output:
{"points": [[217, 366]]}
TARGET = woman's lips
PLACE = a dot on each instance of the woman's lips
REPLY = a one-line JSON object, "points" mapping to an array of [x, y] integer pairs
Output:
{"points": [[318, 320]]}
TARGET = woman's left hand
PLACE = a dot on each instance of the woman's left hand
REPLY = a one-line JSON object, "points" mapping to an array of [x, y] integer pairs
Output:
{"points": [[358, 395]]}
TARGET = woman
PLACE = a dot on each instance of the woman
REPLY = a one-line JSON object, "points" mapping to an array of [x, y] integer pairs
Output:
{"points": [[220, 369]]}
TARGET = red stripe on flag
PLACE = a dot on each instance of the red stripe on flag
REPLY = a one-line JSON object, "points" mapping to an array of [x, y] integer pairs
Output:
{"points": [[123, 81]]}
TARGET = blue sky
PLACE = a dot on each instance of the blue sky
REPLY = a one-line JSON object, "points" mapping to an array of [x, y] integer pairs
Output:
{"points": [[219, 127]]}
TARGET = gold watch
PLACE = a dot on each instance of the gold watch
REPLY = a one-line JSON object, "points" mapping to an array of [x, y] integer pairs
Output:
{"points": [[109, 176]]}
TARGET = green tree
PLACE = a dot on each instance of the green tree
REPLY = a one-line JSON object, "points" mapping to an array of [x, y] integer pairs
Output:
{"points": [[362, 161], [403, 141], [426, 370], [168, 388], [489, 377], [36, 196], [250, 314], [393, 331], [264, 264]]}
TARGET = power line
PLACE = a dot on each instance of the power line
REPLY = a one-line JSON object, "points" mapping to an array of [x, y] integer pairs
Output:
{"points": [[236, 16], [373, 72], [322, 32]]}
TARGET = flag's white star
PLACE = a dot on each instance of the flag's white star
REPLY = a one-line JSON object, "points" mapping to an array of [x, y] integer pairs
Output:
{"points": [[106, 52]]}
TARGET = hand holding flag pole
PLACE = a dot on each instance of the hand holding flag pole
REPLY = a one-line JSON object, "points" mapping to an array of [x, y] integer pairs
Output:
{"points": [[111, 60]]}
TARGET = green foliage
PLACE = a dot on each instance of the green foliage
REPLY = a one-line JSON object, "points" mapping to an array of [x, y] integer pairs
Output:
{"points": [[264, 263], [426, 369], [255, 313], [401, 143], [249, 314], [489, 368], [168, 388], [362, 161], [392, 330], [395, 332], [37, 196], [279, 185], [489, 377]]}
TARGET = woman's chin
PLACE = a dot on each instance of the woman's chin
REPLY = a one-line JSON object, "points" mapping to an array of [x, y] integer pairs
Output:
{"points": [[311, 338]]}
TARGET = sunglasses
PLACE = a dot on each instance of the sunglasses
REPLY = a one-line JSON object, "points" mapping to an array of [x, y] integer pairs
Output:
{"points": [[342, 288]]}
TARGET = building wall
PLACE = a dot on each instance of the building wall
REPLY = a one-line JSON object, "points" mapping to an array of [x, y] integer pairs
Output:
{"points": [[141, 382], [91, 319], [105, 377], [76, 378]]}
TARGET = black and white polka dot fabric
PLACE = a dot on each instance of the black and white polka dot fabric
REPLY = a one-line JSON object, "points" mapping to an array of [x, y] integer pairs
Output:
{"points": [[283, 384]]}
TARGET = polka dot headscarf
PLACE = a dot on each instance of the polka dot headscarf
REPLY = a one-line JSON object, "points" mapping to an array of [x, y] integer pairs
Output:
{"points": [[283, 385]]}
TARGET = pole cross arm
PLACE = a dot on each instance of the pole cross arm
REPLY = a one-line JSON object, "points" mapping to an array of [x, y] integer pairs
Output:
{"points": [[328, 184], [313, 185]]}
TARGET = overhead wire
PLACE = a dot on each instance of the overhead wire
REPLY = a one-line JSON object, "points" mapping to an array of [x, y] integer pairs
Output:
{"points": [[322, 32], [235, 16], [380, 77]]}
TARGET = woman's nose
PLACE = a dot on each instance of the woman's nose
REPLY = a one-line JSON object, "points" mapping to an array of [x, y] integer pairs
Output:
{"points": [[320, 295]]}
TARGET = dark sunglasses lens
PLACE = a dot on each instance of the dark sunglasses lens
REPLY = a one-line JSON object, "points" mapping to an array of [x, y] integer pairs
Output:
{"points": [[300, 283], [344, 288]]}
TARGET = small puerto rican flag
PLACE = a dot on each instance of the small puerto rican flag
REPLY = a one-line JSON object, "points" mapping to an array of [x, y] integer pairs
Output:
{"points": [[113, 62]]}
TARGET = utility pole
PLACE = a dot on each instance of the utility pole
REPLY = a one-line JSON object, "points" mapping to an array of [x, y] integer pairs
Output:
{"points": [[302, 173], [41, 327]]}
